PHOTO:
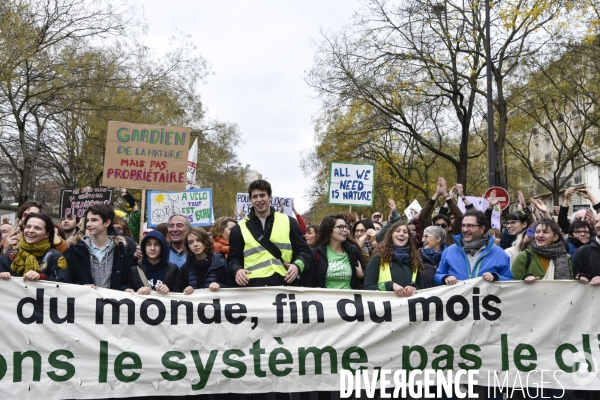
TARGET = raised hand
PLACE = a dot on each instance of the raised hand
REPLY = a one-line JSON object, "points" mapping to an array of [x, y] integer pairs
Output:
{"points": [[493, 199], [521, 199], [441, 188], [391, 204]]}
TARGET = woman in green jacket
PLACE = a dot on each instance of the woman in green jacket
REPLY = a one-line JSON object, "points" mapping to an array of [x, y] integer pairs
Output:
{"points": [[546, 258], [396, 265]]}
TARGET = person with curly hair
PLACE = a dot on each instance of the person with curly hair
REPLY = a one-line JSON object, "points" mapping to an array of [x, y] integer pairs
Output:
{"points": [[396, 264]]}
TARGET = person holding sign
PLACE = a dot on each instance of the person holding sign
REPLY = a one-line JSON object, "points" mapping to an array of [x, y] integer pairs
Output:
{"points": [[267, 247], [337, 261], [35, 258], [203, 268], [154, 271], [396, 265]]}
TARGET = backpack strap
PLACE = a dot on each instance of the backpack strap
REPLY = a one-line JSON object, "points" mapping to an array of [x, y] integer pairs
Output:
{"points": [[528, 261]]}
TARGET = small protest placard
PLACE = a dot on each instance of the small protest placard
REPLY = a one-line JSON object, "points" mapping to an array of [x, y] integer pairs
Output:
{"points": [[243, 204], [142, 156], [414, 205], [74, 202], [351, 184], [579, 207], [194, 204], [481, 204], [8, 218]]}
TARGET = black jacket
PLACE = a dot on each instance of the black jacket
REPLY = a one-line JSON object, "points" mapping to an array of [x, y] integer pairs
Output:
{"points": [[172, 275], [300, 249], [586, 261], [217, 272], [315, 274], [80, 272]]}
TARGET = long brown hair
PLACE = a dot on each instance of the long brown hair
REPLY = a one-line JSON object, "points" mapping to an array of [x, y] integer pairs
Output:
{"points": [[385, 249]]}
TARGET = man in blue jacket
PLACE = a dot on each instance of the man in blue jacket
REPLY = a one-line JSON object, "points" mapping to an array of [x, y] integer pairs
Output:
{"points": [[473, 255]]}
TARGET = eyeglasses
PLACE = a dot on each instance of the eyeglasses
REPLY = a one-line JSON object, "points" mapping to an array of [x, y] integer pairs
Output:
{"points": [[342, 227], [426, 236], [360, 231], [443, 226], [581, 233], [511, 222], [470, 226]]}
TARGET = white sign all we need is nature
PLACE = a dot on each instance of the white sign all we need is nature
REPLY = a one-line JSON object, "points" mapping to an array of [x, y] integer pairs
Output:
{"points": [[351, 184]]}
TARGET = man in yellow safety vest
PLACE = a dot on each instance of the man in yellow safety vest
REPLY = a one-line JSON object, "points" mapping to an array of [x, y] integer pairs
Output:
{"points": [[266, 248]]}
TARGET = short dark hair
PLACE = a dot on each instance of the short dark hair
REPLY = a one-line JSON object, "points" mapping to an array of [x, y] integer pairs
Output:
{"points": [[518, 216], [480, 217], [367, 223], [580, 224], [441, 216], [259, 184], [29, 204], [47, 222], [200, 234], [104, 211]]}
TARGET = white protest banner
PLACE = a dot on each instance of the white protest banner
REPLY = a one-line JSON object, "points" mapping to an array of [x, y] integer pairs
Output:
{"points": [[195, 204], [192, 164], [243, 204], [414, 205], [481, 204], [351, 184], [70, 341]]}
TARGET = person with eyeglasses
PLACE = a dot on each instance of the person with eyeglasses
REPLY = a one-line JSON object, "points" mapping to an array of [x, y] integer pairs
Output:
{"points": [[396, 264], [336, 259], [586, 262], [580, 233], [450, 208], [365, 235], [473, 255], [515, 224], [443, 222], [434, 244]]}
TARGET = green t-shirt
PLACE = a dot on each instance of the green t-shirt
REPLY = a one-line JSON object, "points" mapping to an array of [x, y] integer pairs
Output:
{"points": [[339, 271]]}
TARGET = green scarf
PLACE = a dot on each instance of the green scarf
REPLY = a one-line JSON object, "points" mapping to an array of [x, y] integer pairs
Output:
{"points": [[27, 255]]}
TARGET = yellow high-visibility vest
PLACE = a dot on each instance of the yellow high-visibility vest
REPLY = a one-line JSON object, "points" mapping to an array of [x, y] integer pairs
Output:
{"points": [[258, 259], [385, 274]]}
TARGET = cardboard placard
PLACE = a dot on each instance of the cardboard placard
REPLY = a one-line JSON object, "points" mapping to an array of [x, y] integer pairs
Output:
{"points": [[140, 156], [74, 202], [194, 204], [351, 184]]}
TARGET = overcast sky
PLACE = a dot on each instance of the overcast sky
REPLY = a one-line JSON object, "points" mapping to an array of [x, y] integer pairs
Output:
{"points": [[260, 52]]}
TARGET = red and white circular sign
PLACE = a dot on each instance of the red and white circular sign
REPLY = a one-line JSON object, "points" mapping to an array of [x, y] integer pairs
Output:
{"points": [[501, 194]]}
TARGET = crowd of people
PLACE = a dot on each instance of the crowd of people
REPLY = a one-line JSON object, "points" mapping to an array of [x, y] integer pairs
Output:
{"points": [[269, 248]]}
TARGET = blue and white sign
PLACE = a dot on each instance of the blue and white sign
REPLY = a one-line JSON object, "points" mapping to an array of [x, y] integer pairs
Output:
{"points": [[195, 204]]}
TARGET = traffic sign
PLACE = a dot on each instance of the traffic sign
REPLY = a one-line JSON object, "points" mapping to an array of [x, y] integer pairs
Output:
{"points": [[501, 194]]}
